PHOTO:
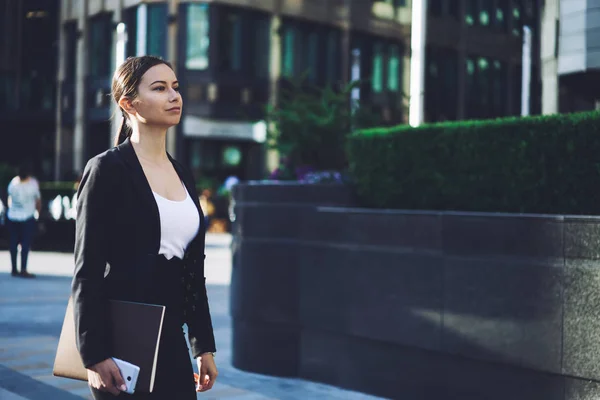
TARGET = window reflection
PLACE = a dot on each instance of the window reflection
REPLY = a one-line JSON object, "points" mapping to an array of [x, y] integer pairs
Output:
{"points": [[377, 82], [441, 84], [487, 87], [394, 69], [310, 49], [230, 40], [100, 37], [198, 41]]}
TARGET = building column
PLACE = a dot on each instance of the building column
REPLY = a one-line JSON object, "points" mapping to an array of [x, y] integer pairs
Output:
{"points": [[549, 57], [172, 43], [60, 78], [119, 49], [418, 37], [272, 156], [79, 149]]}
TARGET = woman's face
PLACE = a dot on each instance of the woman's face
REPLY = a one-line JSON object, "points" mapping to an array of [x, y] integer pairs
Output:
{"points": [[158, 101]]}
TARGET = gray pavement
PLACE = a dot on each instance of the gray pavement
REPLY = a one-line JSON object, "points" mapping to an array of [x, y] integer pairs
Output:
{"points": [[31, 313]]}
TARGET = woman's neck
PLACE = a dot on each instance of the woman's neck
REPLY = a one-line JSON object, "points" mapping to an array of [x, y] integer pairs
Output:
{"points": [[150, 144]]}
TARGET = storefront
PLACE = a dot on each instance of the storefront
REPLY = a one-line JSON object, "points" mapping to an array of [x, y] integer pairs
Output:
{"points": [[215, 150]]}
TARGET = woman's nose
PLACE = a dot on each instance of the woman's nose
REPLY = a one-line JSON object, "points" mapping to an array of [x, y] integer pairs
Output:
{"points": [[173, 95]]}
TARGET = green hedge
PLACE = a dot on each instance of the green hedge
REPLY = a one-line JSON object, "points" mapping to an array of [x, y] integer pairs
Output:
{"points": [[543, 164]]}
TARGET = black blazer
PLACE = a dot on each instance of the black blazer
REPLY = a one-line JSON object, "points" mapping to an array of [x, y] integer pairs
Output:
{"points": [[116, 245]]}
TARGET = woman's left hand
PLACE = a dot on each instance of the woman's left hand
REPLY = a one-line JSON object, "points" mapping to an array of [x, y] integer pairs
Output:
{"points": [[208, 372]]}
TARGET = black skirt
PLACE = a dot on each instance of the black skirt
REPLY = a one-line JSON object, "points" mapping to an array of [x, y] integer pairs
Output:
{"points": [[174, 373]]}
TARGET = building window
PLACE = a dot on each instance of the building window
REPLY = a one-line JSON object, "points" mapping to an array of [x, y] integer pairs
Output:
{"points": [[516, 17], [440, 8], [260, 56], [147, 30], [441, 84], [500, 15], [377, 83], [70, 30], [230, 40], [197, 56], [333, 57], [100, 39], [471, 12], [157, 30], [499, 88], [487, 88], [289, 37], [394, 61]]}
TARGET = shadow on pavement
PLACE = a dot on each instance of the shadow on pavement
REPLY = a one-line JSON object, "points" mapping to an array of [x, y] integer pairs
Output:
{"points": [[30, 388]]}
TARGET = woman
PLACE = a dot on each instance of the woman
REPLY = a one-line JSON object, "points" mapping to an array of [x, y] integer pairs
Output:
{"points": [[140, 237], [23, 201]]}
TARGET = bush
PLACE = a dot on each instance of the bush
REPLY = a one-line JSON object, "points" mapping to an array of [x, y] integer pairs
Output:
{"points": [[543, 164], [309, 128]]}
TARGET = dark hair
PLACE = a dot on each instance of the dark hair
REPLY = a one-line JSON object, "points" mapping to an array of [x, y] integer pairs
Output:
{"points": [[24, 171], [125, 82]]}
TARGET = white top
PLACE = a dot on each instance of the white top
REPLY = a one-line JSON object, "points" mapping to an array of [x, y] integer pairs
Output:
{"points": [[179, 224], [23, 196]]}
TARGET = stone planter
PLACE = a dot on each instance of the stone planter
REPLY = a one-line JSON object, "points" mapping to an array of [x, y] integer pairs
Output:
{"points": [[415, 305]]}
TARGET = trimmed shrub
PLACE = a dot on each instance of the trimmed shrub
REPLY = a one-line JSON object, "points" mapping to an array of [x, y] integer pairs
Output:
{"points": [[542, 164]]}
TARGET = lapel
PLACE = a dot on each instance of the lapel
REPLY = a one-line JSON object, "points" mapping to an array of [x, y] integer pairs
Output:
{"points": [[146, 197], [191, 188]]}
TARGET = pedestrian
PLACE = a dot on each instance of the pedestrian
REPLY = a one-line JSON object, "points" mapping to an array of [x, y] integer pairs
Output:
{"points": [[24, 200], [140, 237]]}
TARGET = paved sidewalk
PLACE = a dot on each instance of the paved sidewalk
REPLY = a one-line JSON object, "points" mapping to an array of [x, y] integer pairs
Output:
{"points": [[31, 313]]}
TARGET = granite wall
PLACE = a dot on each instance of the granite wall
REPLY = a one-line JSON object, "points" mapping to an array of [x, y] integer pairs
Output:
{"points": [[415, 305]]}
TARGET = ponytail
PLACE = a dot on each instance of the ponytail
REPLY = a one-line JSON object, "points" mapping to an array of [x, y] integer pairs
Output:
{"points": [[124, 131]]}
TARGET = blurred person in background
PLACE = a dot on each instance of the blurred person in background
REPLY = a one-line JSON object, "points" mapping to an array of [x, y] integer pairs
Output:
{"points": [[24, 200]]}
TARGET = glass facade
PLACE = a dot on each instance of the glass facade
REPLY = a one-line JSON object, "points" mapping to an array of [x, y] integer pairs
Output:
{"points": [[502, 15], [311, 50], [28, 74], [198, 37], [440, 8], [230, 38], [146, 29], [99, 40], [441, 84], [156, 44], [377, 75], [487, 88]]}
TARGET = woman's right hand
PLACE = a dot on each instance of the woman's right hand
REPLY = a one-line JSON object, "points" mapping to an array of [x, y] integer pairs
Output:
{"points": [[106, 377]]}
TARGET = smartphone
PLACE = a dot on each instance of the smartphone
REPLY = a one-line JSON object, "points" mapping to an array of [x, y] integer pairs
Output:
{"points": [[129, 372]]}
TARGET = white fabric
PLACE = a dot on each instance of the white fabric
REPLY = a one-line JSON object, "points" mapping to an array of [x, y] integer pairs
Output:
{"points": [[179, 224], [23, 196]]}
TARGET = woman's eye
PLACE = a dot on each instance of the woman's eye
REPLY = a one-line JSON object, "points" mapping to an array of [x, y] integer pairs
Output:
{"points": [[176, 89], [159, 88]]}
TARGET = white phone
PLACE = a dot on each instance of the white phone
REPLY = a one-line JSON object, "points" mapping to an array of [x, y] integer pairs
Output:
{"points": [[129, 372]]}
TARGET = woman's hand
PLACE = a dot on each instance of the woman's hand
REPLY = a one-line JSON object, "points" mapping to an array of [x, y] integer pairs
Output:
{"points": [[208, 372], [106, 377]]}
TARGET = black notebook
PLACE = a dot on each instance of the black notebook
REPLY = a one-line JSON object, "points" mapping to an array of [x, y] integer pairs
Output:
{"points": [[136, 329]]}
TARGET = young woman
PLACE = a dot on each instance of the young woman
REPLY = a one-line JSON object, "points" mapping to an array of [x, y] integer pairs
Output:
{"points": [[23, 201], [140, 237]]}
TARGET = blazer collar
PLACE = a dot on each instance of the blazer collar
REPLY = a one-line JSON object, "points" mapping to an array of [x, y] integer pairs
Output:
{"points": [[147, 197]]}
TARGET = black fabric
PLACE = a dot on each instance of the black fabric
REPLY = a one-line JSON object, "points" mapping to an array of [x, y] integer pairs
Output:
{"points": [[174, 375], [117, 239]]}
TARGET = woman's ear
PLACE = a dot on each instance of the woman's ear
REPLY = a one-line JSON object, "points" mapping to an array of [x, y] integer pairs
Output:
{"points": [[127, 105]]}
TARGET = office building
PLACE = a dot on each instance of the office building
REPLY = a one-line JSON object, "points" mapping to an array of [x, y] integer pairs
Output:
{"points": [[28, 65], [231, 57], [570, 56]]}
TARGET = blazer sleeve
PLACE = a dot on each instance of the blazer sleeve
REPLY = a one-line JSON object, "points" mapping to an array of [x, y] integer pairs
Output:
{"points": [[200, 329], [92, 232], [198, 319]]}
